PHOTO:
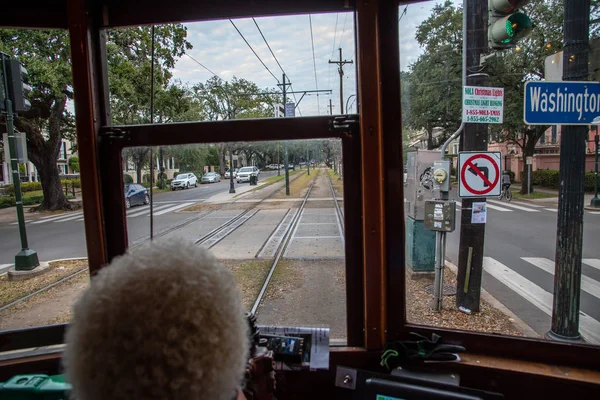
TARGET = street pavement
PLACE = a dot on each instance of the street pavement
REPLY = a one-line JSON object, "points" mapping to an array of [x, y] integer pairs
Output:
{"points": [[63, 236], [519, 252]]}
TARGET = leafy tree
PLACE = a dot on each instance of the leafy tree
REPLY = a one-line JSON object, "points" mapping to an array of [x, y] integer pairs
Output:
{"points": [[74, 164], [46, 55]]}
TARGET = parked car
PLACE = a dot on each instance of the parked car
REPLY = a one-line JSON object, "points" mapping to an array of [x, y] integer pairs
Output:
{"points": [[235, 171], [135, 194], [184, 181], [245, 172], [211, 177]]}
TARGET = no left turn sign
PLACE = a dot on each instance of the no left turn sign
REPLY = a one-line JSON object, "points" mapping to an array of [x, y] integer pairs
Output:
{"points": [[479, 174]]}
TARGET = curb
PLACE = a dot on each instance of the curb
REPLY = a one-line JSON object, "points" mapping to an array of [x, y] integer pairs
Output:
{"points": [[521, 326], [51, 261]]}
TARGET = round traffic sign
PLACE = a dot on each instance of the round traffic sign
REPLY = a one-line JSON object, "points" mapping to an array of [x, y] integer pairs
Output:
{"points": [[479, 166]]}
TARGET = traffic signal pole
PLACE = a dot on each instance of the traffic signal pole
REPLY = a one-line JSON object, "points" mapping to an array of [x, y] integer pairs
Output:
{"points": [[26, 259], [470, 253], [569, 232]]}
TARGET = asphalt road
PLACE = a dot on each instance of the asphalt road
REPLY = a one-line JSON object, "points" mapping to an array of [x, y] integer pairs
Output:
{"points": [[63, 236], [519, 252]]}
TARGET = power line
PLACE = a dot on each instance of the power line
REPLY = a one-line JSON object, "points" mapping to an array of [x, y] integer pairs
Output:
{"points": [[203, 66], [403, 13], [314, 62], [257, 56], [344, 30], [276, 60]]}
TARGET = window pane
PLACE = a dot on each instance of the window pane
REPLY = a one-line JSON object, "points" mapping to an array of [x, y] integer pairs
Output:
{"points": [[49, 187], [257, 225], [233, 69], [511, 243]]}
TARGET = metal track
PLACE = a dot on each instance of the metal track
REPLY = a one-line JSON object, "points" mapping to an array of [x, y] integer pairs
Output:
{"points": [[43, 289], [337, 206], [282, 247]]}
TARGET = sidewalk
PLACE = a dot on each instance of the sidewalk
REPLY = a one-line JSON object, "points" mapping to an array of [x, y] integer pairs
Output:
{"points": [[551, 200]]}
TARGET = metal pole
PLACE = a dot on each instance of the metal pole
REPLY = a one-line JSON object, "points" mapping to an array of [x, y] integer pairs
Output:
{"points": [[307, 161], [231, 187], [26, 259], [151, 152], [437, 298], [569, 232], [596, 201], [287, 172], [341, 84], [278, 161]]}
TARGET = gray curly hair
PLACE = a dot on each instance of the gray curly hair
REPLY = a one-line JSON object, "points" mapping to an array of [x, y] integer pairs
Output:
{"points": [[164, 321]]}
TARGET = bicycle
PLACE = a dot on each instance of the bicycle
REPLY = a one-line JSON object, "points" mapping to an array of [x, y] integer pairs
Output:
{"points": [[505, 193]]}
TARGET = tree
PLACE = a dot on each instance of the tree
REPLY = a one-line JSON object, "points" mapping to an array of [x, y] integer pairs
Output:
{"points": [[239, 98], [74, 164], [46, 55]]}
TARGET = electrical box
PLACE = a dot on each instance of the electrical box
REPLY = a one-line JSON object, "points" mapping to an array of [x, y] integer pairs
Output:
{"points": [[440, 215], [419, 185], [21, 155]]}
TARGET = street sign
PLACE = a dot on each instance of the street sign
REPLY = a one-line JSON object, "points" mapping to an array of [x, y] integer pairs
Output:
{"points": [[483, 105], [479, 173], [279, 111], [290, 110], [561, 103]]}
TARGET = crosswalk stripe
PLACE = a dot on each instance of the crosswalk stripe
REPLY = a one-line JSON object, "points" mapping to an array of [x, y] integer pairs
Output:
{"points": [[146, 210], [493, 207], [589, 327], [513, 206], [551, 209], [595, 212], [588, 284], [592, 262], [174, 208], [69, 215], [67, 219]]}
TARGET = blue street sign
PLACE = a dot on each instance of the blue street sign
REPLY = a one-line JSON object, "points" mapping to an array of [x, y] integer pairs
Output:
{"points": [[290, 110], [561, 103]]}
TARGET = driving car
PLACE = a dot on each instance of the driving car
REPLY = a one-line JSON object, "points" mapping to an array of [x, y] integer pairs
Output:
{"points": [[211, 177], [245, 172], [235, 171], [184, 181], [135, 194]]}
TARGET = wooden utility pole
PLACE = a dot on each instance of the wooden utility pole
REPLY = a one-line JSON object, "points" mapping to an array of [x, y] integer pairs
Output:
{"points": [[340, 64], [475, 136], [330, 108]]}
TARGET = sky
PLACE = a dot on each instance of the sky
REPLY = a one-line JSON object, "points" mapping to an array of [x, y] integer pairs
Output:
{"points": [[220, 48]]}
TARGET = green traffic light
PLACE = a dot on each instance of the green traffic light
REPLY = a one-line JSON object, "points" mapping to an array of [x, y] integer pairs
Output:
{"points": [[518, 25]]}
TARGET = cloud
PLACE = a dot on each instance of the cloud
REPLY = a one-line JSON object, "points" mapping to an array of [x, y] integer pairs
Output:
{"points": [[220, 48]]}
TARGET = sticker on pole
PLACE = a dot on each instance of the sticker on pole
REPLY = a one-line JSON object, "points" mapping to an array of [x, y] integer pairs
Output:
{"points": [[479, 173]]}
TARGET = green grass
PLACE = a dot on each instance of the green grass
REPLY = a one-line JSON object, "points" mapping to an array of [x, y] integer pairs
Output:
{"points": [[274, 179], [533, 195], [35, 193]]}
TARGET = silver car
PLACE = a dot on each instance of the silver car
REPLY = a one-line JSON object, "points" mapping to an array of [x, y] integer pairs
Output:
{"points": [[211, 177], [184, 181]]}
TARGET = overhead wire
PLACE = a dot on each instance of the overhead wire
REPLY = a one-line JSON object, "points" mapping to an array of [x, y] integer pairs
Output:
{"points": [[337, 15], [277, 61], [314, 62], [203, 66], [257, 56]]}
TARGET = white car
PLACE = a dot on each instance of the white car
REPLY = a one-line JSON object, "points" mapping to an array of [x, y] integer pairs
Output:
{"points": [[245, 173], [184, 181], [235, 171]]}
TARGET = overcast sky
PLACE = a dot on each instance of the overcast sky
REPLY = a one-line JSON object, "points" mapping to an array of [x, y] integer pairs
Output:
{"points": [[219, 47]]}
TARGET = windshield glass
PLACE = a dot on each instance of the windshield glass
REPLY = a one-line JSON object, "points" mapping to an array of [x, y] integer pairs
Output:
{"points": [[210, 174], [246, 169], [181, 176]]}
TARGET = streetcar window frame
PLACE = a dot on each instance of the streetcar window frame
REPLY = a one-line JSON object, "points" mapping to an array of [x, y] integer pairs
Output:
{"points": [[55, 16]]}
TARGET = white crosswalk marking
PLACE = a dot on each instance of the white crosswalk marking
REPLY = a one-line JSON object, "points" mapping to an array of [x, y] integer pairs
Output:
{"points": [[592, 262], [588, 284], [69, 215], [493, 207], [146, 210], [67, 219], [513, 206], [174, 208], [551, 209], [594, 212], [589, 327]]}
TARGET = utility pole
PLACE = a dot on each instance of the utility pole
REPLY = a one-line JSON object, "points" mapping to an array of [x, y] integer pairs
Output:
{"points": [[231, 186], [308, 162], [569, 232], [470, 253], [330, 108], [340, 64], [26, 259], [284, 86]]}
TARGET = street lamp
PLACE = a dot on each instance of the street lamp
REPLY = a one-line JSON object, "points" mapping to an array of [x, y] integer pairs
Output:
{"points": [[595, 202], [347, 100], [231, 187]]}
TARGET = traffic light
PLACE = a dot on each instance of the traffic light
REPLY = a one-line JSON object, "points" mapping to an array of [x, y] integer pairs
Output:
{"points": [[18, 90], [506, 23]]}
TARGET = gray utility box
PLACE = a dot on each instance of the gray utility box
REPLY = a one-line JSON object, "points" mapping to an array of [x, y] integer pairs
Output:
{"points": [[419, 182], [440, 215]]}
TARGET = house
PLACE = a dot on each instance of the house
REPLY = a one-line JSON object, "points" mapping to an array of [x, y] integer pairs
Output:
{"points": [[67, 150]]}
